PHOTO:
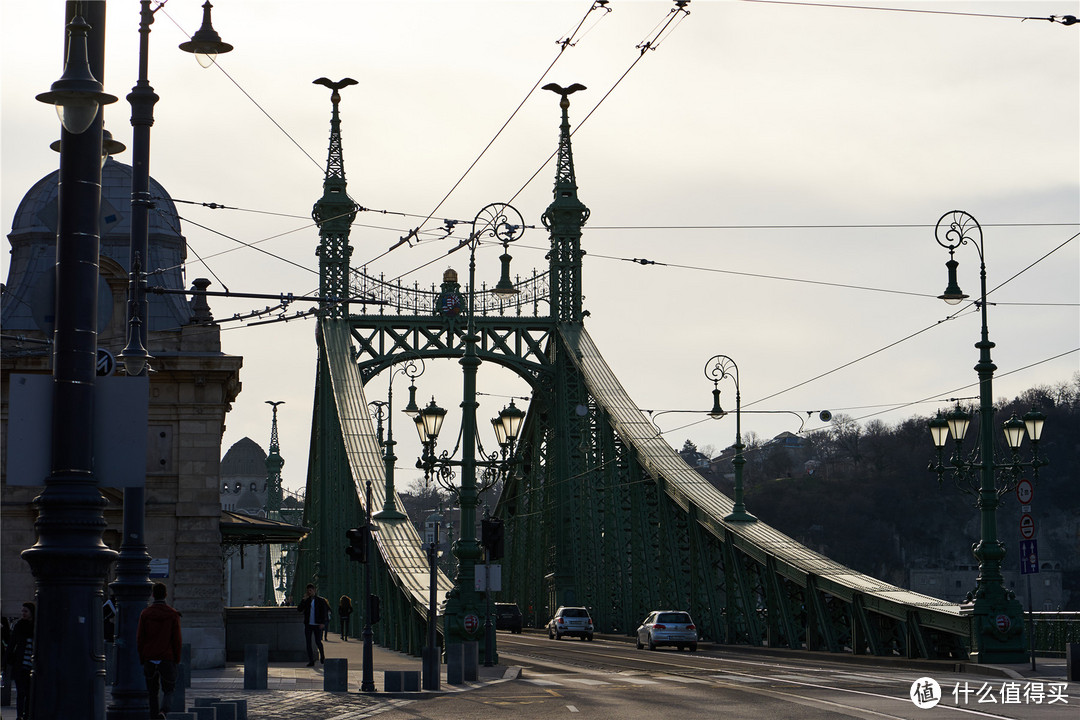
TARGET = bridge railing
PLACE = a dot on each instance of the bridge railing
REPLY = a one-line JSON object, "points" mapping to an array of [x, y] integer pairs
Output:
{"points": [[1054, 631], [394, 297]]}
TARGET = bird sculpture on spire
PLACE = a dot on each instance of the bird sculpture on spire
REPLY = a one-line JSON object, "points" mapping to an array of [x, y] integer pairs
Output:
{"points": [[564, 92], [335, 86]]}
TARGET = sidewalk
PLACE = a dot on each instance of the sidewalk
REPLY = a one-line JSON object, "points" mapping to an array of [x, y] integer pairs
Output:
{"points": [[296, 691]]}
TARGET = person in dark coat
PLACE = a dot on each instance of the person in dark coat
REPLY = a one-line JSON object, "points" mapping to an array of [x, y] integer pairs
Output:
{"points": [[159, 642], [20, 659], [344, 610], [315, 611]]}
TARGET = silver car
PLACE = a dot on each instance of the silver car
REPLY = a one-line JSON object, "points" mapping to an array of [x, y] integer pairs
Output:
{"points": [[668, 627], [570, 621]]}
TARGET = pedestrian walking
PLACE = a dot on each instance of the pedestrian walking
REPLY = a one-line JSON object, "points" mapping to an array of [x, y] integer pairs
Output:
{"points": [[315, 611], [344, 610], [20, 659], [159, 643]]}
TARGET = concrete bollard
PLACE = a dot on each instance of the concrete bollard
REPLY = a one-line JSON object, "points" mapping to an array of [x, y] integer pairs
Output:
{"points": [[203, 713], [471, 662], [432, 668], [391, 681], [336, 675], [206, 702], [184, 679], [225, 710], [1072, 662], [455, 671], [256, 666], [178, 699], [241, 708]]}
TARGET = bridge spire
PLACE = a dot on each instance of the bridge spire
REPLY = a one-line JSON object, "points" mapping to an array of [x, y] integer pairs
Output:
{"points": [[565, 217], [334, 213], [274, 463]]}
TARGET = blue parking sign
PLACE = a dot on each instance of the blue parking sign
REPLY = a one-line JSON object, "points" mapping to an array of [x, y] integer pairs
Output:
{"points": [[1029, 557]]}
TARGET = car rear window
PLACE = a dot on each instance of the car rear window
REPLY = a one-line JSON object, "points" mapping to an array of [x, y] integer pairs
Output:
{"points": [[673, 617], [575, 612]]}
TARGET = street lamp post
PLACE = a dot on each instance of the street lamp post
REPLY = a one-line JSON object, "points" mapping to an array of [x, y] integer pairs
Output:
{"points": [[69, 561], [412, 369], [464, 604], [718, 368], [997, 629], [132, 585], [431, 660]]}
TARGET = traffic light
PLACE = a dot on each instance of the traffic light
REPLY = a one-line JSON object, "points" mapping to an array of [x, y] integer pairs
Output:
{"points": [[358, 543], [373, 609], [491, 537]]}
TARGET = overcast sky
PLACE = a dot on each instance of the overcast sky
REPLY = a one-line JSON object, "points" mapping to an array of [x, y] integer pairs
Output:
{"points": [[783, 165]]}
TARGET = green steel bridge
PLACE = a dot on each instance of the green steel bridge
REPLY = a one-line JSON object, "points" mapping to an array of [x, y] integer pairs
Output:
{"points": [[603, 512]]}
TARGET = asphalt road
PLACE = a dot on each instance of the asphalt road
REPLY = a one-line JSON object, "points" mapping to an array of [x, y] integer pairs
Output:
{"points": [[605, 679]]}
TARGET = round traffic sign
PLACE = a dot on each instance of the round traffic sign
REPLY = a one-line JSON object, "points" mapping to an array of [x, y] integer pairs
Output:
{"points": [[471, 622], [1025, 491], [1027, 526], [106, 363]]}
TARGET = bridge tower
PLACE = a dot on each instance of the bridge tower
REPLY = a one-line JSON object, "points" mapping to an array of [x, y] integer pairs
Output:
{"points": [[331, 503], [274, 463], [568, 431]]}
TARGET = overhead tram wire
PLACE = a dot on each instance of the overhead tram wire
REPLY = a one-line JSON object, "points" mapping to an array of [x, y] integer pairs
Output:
{"points": [[563, 45], [679, 11], [972, 306], [247, 95], [937, 398], [1062, 19]]}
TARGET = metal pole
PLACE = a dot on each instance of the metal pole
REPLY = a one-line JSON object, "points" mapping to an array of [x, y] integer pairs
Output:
{"points": [[69, 561], [132, 585], [367, 683], [489, 629], [431, 657], [1031, 623]]}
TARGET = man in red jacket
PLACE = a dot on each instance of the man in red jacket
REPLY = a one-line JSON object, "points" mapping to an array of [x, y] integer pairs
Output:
{"points": [[159, 649]]}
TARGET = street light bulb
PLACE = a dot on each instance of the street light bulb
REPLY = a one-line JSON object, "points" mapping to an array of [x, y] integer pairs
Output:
{"points": [[206, 44], [432, 419], [958, 421], [939, 430], [500, 431], [1034, 420], [1014, 432], [953, 294], [77, 95], [717, 412], [511, 418]]}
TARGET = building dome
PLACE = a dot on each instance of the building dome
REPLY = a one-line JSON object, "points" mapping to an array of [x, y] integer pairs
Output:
{"points": [[245, 459], [27, 294]]}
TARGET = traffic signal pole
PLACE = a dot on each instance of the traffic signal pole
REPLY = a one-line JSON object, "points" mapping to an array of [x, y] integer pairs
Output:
{"points": [[367, 683]]}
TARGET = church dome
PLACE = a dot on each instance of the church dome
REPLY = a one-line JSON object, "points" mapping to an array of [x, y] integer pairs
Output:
{"points": [[244, 459], [33, 251]]}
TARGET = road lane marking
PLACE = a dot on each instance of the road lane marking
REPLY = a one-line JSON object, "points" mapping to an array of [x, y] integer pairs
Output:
{"points": [[571, 708]]}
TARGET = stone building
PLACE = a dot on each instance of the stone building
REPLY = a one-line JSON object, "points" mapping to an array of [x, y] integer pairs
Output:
{"points": [[244, 491], [192, 386]]}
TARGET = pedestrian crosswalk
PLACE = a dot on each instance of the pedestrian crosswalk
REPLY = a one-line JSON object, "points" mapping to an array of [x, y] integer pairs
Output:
{"points": [[599, 679]]}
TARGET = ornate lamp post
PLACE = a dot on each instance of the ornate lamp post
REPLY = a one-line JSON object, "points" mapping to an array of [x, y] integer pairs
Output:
{"points": [[69, 561], [718, 368], [464, 604], [132, 585], [412, 369], [997, 629]]}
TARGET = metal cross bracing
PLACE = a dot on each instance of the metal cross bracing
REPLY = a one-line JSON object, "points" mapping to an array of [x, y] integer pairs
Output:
{"points": [[600, 510]]}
